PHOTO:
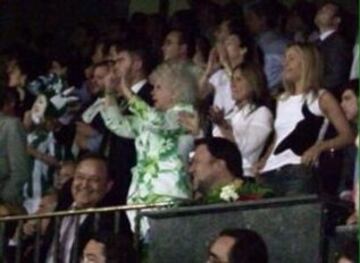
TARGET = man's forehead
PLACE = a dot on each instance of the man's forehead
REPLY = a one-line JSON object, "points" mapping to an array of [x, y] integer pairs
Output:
{"points": [[93, 168]]}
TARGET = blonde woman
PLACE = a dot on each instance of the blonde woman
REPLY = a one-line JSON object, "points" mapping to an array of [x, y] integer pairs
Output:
{"points": [[300, 113], [162, 145]]}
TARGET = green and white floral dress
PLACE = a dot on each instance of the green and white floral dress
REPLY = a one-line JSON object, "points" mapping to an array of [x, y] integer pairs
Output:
{"points": [[162, 147]]}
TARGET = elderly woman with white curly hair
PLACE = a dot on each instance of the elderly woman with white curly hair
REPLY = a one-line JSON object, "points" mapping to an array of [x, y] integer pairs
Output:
{"points": [[162, 145]]}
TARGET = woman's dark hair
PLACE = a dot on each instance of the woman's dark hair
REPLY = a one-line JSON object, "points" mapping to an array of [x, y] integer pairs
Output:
{"points": [[257, 80], [225, 150], [249, 246]]}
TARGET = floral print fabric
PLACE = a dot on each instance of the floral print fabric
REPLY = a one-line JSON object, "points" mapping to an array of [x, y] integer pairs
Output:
{"points": [[160, 174]]}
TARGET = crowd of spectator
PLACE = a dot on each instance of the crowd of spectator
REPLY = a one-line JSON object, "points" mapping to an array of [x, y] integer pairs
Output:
{"points": [[214, 104]]}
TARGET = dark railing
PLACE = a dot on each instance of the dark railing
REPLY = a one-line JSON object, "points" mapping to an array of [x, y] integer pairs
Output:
{"points": [[58, 216]]}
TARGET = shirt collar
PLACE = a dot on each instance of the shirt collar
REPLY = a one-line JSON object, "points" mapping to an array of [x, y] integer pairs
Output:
{"points": [[326, 34], [137, 86]]}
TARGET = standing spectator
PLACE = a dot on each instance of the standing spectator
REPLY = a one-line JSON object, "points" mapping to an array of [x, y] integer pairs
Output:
{"points": [[334, 49], [14, 162], [261, 19], [162, 146], [300, 114]]}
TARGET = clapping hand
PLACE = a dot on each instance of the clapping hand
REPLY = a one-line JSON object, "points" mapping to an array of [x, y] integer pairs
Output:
{"points": [[190, 121], [217, 116]]}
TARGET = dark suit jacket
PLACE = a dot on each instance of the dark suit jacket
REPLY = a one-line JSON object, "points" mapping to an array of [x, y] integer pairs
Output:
{"points": [[105, 222], [337, 55], [122, 155]]}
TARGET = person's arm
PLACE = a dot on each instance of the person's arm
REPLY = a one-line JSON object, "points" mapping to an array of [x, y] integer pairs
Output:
{"points": [[18, 161], [205, 87], [332, 111]]}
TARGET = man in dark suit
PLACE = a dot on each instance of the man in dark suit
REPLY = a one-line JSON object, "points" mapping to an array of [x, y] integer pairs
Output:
{"points": [[335, 50], [89, 189], [14, 161], [337, 59], [132, 62]]}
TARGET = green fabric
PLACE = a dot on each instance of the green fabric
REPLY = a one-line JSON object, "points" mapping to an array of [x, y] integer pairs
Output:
{"points": [[160, 174]]}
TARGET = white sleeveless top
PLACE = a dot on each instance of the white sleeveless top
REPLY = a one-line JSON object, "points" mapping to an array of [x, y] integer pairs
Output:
{"points": [[297, 125]]}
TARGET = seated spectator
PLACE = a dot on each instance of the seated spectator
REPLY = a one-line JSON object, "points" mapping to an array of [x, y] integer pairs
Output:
{"points": [[162, 145], [89, 189], [238, 246], [216, 168], [107, 247]]}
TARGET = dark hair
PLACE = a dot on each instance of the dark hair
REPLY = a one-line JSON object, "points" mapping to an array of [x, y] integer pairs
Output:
{"points": [[225, 150], [138, 47], [257, 80], [249, 247], [97, 157], [8, 96], [252, 54], [31, 64], [265, 9], [185, 37], [203, 44], [118, 248]]}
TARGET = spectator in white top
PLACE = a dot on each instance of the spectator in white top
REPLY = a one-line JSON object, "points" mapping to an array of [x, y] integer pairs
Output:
{"points": [[236, 49], [250, 122], [300, 113]]}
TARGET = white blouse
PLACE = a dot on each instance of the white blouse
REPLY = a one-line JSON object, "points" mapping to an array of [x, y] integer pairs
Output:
{"points": [[251, 128]]}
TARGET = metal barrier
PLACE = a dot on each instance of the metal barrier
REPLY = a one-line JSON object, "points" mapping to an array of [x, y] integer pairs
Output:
{"points": [[58, 217]]}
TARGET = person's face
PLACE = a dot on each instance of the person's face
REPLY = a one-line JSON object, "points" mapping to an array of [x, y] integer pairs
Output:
{"points": [[233, 47], [90, 183], [164, 97], [171, 47], [292, 65], [99, 78], [15, 77], [201, 167], [325, 16], [240, 87], [123, 63], [220, 250], [38, 109], [349, 105], [94, 252]]}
